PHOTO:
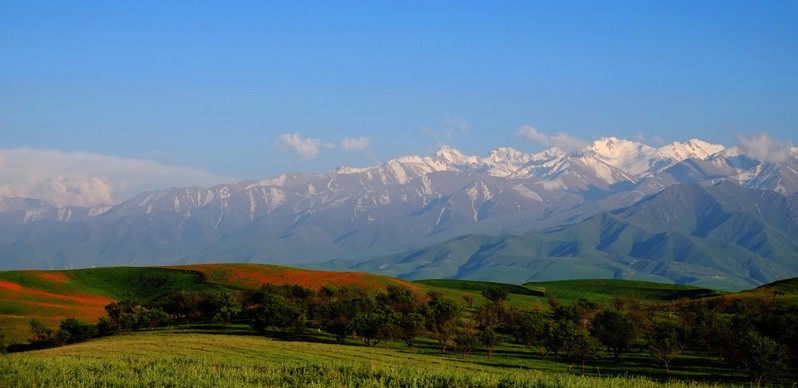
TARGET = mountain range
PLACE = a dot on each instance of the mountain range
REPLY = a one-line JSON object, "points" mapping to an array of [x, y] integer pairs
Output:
{"points": [[688, 212]]}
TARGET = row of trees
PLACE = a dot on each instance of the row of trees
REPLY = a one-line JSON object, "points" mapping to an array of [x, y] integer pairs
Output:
{"points": [[760, 341]]}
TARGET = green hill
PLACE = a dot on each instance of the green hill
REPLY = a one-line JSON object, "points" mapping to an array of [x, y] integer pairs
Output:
{"points": [[52, 296]]}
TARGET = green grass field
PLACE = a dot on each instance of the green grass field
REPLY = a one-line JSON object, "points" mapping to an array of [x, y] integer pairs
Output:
{"points": [[186, 358], [206, 355]]}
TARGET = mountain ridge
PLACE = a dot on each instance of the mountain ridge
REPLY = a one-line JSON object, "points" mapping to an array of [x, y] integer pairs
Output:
{"points": [[357, 214]]}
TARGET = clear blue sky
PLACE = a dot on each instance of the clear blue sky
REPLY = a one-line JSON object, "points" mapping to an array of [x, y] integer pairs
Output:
{"points": [[212, 86]]}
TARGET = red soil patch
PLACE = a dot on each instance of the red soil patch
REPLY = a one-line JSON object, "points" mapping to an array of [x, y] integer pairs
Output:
{"points": [[10, 286], [48, 305], [255, 275], [55, 277]]}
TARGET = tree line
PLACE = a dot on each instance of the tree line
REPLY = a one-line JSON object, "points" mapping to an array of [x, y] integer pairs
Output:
{"points": [[756, 338]]}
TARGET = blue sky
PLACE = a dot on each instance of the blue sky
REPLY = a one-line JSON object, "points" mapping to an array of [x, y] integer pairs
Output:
{"points": [[146, 94]]}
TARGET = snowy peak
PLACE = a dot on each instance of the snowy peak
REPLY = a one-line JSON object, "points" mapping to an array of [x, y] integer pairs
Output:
{"points": [[691, 149], [628, 156], [455, 157]]}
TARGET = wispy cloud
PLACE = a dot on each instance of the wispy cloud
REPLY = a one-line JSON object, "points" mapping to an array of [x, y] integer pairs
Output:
{"points": [[561, 140], [451, 127], [656, 140], [86, 179], [354, 144], [304, 148], [762, 147]]}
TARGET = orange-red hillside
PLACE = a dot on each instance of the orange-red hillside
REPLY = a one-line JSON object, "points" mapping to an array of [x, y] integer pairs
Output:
{"points": [[255, 275], [48, 296]]}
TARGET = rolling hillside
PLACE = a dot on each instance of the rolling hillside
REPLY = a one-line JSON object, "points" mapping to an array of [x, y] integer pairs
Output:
{"points": [[52, 296]]}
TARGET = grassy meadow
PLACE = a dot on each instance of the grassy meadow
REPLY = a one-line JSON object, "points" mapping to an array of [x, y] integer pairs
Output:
{"points": [[203, 353], [175, 357]]}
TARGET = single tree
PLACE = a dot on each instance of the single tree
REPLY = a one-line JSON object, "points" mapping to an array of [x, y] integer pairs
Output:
{"points": [[529, 329], [763, 358], [495, 294], [578, 344], [664, 343], [615, 330], [441, 315], [410, 326], [490, 339], [466, 342], [39, 331]]}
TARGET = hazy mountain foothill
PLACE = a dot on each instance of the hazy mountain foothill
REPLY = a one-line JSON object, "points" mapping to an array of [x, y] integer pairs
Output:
{"points": [[690, 213]]}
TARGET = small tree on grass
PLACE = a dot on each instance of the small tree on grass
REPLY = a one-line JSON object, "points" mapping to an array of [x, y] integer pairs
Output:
{"points": [[615, 330], [466, 342], [277, 313], [410, 326], [490, 339], [529, 329], [495, 294], [441, 315], [578, 344], [374, 326], [39, 331], [664, 343], [762, 357], [221, 307]]}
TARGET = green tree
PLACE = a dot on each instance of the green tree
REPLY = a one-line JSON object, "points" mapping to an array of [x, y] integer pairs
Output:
{"points": [[410, 326], [762, 357], [39, 331], [615, 330], [495, 315], [183, 305], [153, 317], [466, 341], [664, 343], [2, 342], [490, 339], [529, 329], [222, 307], [279, 314], [399, 299], [441, 315], [578, 344], [495, 294], [78, 330], [374, 326], [338, 307]]}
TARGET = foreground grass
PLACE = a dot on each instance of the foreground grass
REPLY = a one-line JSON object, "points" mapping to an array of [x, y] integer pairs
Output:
{"points": [[174, 358]]}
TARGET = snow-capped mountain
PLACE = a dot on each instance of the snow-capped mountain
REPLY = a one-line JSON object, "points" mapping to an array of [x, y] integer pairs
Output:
{"points": [[360, 213]]}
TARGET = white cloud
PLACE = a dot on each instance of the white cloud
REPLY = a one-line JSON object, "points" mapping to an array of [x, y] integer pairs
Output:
{"points": [[656, 139], [762, 147], [561, 140], [451, 126], [350, 144], [305, 148], [85, 179]]}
